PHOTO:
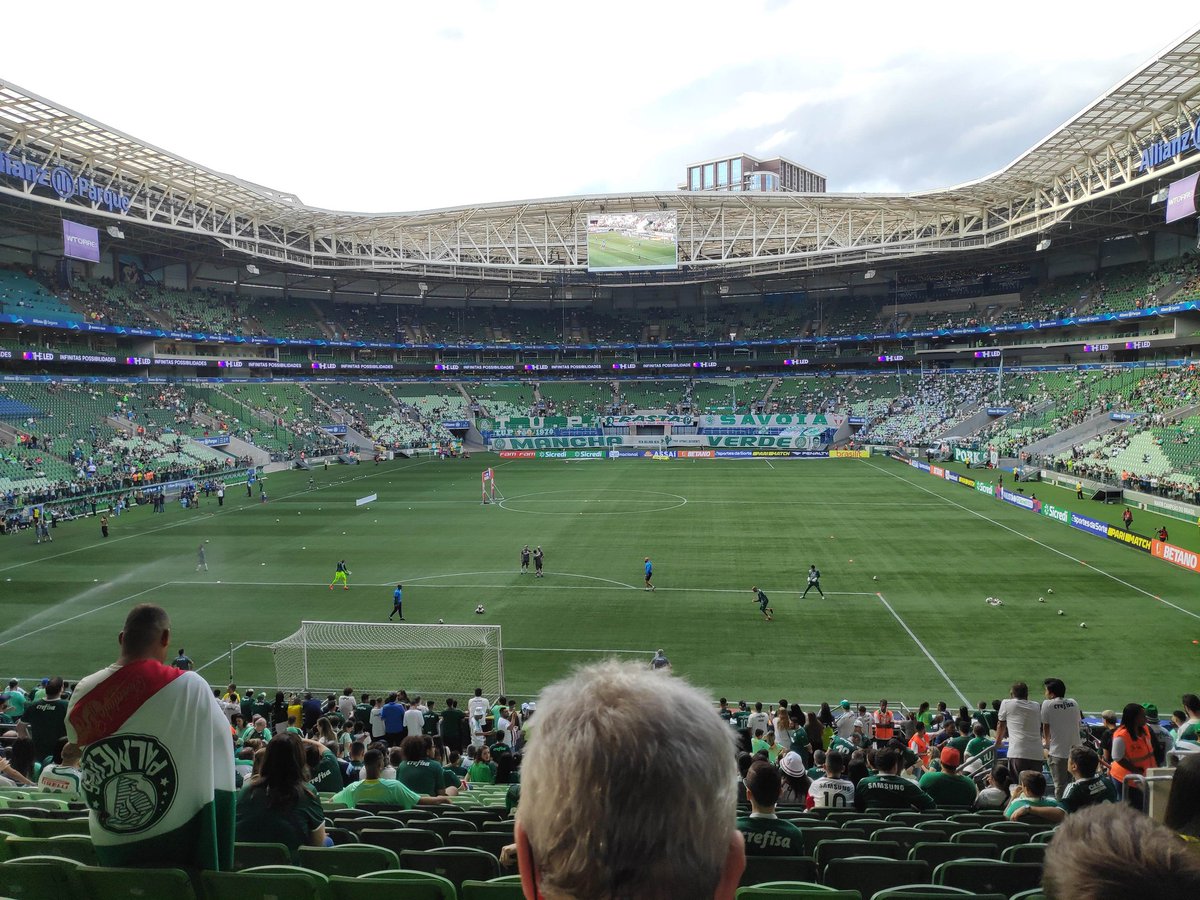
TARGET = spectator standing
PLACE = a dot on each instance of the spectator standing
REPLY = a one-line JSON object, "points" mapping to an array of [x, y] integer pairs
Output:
{"points": [[1132, 745], [414, 718], [149, 727], [47, 719], [1061, 724], [758, 720], [1020, 721], [392, 714]]}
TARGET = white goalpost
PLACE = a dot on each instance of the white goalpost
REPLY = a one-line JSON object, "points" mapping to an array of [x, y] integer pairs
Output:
{"points": [[388, 656], [490, 491]]}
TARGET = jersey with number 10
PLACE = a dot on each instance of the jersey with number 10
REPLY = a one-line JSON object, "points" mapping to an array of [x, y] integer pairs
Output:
{"points": [[831, 793]]}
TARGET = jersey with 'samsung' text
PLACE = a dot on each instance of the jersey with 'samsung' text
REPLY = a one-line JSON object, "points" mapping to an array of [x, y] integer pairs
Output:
{"points": [[831, 793]]}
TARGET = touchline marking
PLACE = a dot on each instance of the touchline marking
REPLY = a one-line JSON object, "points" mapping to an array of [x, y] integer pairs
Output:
{"points": [[189, 521], [1132, 587], [928, 655], [85, 613]]}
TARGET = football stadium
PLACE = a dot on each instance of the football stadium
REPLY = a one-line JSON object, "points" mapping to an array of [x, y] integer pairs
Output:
{"points": [[442, 545]]}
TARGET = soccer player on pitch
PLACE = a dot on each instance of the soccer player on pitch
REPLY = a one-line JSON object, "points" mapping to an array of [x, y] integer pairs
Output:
{"points": [[761, 599], [538, 558], [814, 581], [339, 576], [649, 574], [397, 608], [525, 560]]}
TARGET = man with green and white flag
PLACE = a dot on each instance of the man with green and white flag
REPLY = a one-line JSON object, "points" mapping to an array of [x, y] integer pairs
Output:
{"points": [[157, 761]]}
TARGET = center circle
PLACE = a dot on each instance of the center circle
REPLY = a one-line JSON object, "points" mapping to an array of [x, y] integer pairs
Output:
{"points": [[593, 503]]}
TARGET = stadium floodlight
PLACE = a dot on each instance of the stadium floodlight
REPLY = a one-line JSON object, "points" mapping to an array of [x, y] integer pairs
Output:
{"points": [[1159, 196], [1043, 244], [115, 232], [868, 275], [252, 269]]}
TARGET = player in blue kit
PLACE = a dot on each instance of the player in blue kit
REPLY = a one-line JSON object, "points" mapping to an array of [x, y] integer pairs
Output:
{"points": [[649, 574], [397, 597]]}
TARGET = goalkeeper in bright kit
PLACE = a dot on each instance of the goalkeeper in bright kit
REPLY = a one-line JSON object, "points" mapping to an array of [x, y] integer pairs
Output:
{"points": [[340, 576]]}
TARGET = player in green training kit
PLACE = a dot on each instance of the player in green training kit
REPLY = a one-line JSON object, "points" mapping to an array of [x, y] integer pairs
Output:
{"points": [[761, 599], [339, 577]]}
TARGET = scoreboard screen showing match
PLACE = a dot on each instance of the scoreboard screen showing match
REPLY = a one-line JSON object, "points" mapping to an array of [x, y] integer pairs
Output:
{"points": [[632, 241]]}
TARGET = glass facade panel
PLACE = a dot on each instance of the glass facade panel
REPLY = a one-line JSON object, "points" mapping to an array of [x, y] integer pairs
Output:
{"points": [[735, 173], [694, 178], [722, 174], [708, 177]]}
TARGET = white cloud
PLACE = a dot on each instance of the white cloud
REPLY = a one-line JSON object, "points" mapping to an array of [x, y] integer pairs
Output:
{"points": [[384, 107]]}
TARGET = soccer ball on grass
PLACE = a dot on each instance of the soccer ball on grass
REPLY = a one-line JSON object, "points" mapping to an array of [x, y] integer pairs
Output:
{"points": [[441, 621], [479, 610]]}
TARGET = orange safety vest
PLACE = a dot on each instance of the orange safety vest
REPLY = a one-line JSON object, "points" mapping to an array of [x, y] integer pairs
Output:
{"points": [[1139, 751], [920, 746], [884, 725]]}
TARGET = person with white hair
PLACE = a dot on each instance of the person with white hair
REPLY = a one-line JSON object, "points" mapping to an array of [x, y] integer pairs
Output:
{"points": [[607, 813]]}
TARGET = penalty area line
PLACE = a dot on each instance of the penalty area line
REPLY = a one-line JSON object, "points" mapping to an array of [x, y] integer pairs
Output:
{"points": [[924, 649]]}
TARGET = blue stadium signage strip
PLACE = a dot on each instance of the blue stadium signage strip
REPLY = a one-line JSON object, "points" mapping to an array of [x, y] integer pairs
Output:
{"points": [[1184, 142], [199, 336], [68, 185]]}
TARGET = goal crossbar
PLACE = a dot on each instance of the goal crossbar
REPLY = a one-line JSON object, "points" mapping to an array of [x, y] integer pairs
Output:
{"points": [[388, 656]]}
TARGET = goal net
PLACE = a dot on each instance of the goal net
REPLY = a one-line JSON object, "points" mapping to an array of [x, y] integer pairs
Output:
{"points": [[386, 656]]}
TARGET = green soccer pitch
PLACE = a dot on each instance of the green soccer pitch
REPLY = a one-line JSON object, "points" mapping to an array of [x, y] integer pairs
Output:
{"points": [[712, 527], [612, 250]]}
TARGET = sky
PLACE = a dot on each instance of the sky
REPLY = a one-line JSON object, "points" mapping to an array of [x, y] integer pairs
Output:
{"points": [[390, 107]]}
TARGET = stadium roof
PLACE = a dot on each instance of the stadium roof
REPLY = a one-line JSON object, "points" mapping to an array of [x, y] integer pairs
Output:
{"points": [[65, 159]]}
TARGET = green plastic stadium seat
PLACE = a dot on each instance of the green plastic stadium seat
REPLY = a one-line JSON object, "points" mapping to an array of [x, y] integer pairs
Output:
{"points": [[773, 890], [937, 852], [446, 824], [944, 828], [40, 878], [398, 839], [22, 826], [457, 864], [414, 886], [930, 892], [912, 818], [1035, 894], [56, 827], [425, 880], [869, 875], [761, 869], [491, 890], [247, 855], [265, 883], [1042, 837], [70, 846], [405, 815], [814, 836], [828, 851], [1001, 839], [992, 877], [1025, 853], [504, 825], [350, 860], [357, 825], [1026, 828], [491, 841], [867, 826], [908, 837], [135, 884]]}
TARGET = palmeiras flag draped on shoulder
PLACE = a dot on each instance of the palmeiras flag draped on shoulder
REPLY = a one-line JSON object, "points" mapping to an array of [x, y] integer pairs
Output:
{"points": [[157, 767]]}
